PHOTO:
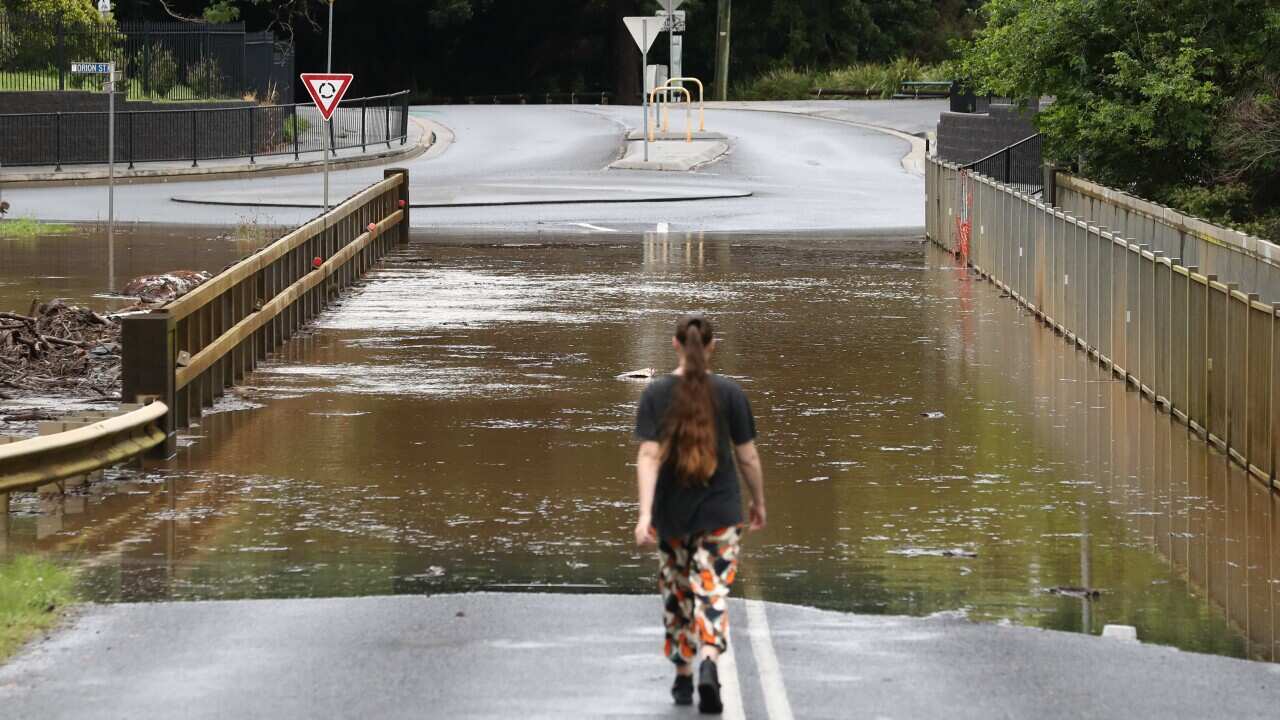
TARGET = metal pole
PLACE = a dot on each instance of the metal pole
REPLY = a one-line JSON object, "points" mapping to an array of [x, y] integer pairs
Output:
{"points": [[111, 177], [644, 89], [328, 123]]}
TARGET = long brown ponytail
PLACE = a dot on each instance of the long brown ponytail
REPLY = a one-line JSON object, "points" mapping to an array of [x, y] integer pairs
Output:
{"points": [[689, 429]]}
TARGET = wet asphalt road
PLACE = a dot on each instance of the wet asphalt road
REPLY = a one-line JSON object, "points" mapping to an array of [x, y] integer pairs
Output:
{"points": [[561, 656], [802, 173]]}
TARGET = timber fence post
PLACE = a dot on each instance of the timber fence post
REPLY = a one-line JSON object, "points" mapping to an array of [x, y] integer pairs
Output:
{"points": [[147, 369], [404, 202]]}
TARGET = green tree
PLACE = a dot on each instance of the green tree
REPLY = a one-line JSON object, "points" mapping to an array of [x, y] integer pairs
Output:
{"points": [[1139, 86]]}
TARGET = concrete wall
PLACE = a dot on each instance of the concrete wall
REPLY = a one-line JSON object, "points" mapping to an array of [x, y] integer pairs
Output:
{"points": [[1234, 257], [966, 137]]}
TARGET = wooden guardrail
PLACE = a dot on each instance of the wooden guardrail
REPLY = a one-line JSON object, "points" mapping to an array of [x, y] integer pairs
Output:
{"points": [[190, 351], [30, 464], [1193, 343]]}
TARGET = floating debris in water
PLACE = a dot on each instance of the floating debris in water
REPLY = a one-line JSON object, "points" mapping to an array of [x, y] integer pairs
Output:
{"points": [[820, 478], [934, 552], [165, 288], [641, 374], [1075, 592], [932, 415]]}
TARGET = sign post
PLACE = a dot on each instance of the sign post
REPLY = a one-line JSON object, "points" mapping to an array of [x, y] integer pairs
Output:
{"points": [[675, 24], [327, 91], [108, 69], [644, 30]]}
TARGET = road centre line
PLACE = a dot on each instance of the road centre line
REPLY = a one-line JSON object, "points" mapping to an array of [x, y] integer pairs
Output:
{"points": [[776, 704], [730, 688]]}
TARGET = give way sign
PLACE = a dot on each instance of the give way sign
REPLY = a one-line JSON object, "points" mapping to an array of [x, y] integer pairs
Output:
{"points": [[327, 90]]}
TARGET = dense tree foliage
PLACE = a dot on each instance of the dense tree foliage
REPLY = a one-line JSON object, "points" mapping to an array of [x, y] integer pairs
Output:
{"points": [[462, 47], [1174, 99]]}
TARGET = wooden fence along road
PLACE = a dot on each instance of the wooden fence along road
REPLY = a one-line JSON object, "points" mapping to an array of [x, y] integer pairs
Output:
{"points": [[190, 351], [1197, 345]]}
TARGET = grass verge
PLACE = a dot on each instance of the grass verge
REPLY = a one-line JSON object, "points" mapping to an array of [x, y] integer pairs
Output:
{"points": [[33, 594], [27, 228]]}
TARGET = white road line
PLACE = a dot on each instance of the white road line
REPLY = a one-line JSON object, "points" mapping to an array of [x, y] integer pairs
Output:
{"points": [[776, 704], [730, 688], [597, 228]]}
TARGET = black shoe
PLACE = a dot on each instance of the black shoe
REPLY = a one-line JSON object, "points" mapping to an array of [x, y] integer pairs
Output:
{"points": [[682, 691], [709, 689]]}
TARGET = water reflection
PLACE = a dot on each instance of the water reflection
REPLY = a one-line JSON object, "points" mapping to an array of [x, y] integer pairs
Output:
{"points": [[78, 266], [457, 425]]}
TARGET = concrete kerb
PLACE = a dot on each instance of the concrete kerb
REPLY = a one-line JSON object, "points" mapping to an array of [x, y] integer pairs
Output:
{"points": [[433, 135]]}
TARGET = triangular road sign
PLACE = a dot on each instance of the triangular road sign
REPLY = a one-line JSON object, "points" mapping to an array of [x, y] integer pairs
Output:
{"points": [[327, 90], [645, 30]]}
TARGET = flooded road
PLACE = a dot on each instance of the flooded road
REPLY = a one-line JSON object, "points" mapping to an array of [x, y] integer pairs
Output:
{"points": [[457, 424]]}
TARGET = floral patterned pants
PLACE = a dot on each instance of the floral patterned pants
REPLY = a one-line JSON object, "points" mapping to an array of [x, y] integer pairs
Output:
{"points": [[694, 576]]}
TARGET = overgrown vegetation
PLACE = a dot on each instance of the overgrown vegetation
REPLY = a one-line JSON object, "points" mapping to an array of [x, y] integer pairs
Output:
{"points": [[879, 80], [33, 593], [1176, 101], [26, 228]]}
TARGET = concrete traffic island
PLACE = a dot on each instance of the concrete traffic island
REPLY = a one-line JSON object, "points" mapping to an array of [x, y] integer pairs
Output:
{"points": [[525, 655], [673, 155]]}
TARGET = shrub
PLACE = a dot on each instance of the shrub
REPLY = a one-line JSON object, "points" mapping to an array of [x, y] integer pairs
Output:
{"points": [[204, 77], [779, 84], [157, 74]]}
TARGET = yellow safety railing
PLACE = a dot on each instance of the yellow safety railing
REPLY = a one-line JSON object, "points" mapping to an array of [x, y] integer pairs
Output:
{"points": [[702, 101], [29, 464], [688, 113]]}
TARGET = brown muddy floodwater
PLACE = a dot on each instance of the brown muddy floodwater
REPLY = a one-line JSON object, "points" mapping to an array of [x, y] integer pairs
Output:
{"points": [[77, 266], [456, 425]]}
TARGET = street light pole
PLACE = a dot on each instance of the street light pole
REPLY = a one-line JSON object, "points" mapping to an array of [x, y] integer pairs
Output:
{"points": [[724, 16], [328, 124]]}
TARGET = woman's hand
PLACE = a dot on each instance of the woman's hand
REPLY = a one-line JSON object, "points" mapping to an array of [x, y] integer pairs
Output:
{"points": [[645, 533], [757, 514]]}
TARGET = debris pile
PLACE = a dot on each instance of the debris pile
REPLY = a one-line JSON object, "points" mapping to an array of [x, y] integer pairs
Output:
{"points": [[59, 349], [164, 288]]}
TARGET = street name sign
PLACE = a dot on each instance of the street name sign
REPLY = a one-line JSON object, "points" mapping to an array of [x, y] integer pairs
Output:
{"points": [[645, 30], [90, 68], [327, 90]]}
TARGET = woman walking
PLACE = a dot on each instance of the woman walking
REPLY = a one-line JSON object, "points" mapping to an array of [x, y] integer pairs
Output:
{"points": [[692, 426]]}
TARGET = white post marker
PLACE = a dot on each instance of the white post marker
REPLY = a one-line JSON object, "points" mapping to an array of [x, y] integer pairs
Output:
{"points": [[644, 30], [326, 91]]}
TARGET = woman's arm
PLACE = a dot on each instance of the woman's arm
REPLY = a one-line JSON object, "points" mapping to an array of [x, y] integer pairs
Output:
{"points": [[753, 472], [648, 461]]}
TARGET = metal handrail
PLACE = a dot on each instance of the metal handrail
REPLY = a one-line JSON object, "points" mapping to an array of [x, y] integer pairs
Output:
{"points": [[29, 464], [1000, 152]]}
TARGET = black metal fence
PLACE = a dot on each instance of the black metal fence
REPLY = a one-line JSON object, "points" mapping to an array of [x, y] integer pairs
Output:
{"points": [[161, 61], [251, 131], [1020, 165]]}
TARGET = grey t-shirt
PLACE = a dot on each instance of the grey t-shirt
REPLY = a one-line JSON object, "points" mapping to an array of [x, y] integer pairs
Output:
{"points": [[680, 510]]}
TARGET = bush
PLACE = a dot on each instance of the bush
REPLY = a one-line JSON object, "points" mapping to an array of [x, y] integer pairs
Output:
{"points": [[204, 77], [157, 74], [294, 126], [780, 84]]}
